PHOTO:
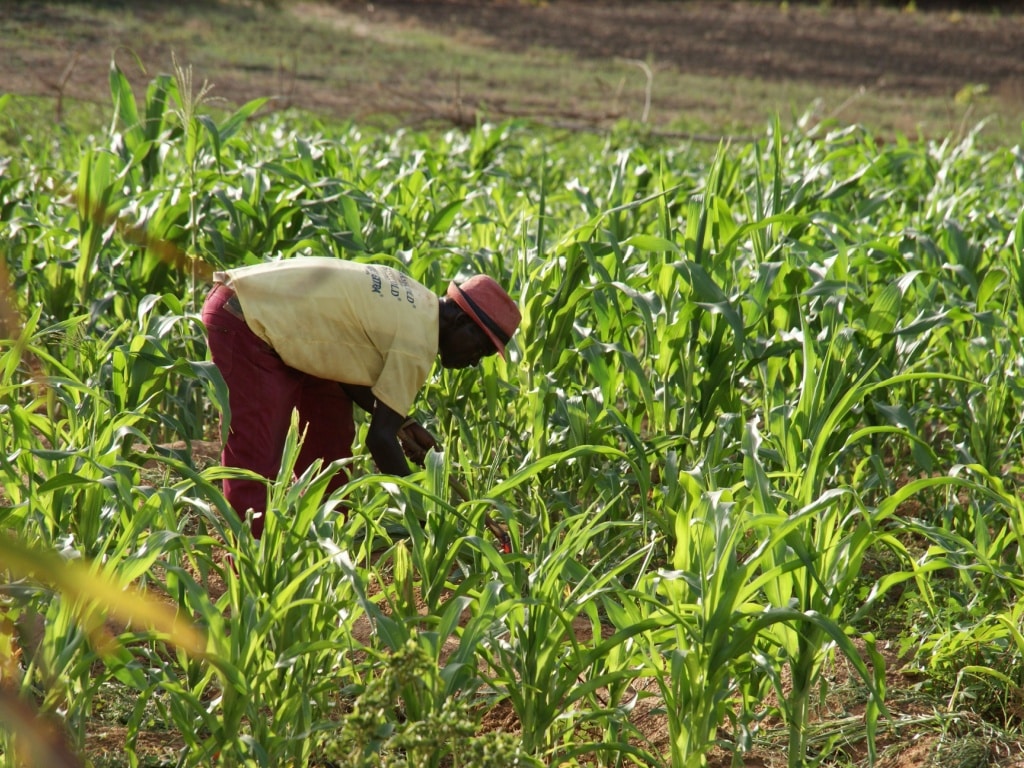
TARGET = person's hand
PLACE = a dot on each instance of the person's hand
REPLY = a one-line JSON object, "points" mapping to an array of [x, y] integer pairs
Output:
{"points": [[416, 441]]}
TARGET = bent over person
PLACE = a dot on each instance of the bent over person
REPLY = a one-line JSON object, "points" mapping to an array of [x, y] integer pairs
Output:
{"points": [[317, 334]]}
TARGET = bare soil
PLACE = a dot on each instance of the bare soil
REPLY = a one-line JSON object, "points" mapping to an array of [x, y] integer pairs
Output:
{"points": [[924, 52], [890, 51]]}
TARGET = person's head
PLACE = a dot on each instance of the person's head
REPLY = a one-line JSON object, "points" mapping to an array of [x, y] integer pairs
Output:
{"points": [[477, 319]]}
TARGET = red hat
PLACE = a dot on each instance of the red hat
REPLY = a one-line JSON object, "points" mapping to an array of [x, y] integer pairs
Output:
{"points": [[491, 308]]}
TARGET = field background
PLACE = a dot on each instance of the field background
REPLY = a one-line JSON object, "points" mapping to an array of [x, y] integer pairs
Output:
{"points": [[704, 68], [700, 72]]}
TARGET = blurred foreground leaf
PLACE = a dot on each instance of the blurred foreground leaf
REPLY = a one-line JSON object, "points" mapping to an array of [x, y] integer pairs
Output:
{"points": [[91, 591], [39, 741]]}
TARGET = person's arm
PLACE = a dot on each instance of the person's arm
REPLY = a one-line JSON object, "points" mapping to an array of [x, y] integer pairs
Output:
{"points": [[382, 436]]}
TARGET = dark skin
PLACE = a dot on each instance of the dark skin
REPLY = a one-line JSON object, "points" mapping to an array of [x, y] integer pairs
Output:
{"points": [[461, 343]]}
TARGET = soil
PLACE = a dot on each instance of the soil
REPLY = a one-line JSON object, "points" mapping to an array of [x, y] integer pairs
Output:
{"points": [[927, 52], [825, 44]]}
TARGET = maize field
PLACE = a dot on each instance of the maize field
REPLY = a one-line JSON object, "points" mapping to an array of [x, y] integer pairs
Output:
{"points": [[762, 421]]}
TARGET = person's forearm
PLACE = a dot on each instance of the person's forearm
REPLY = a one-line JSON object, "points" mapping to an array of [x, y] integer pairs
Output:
{"points": [[361, 396], [382, 436], [387, 454]]}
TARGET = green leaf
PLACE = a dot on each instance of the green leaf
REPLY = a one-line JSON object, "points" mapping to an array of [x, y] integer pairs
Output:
{"points": [[652, 243]]}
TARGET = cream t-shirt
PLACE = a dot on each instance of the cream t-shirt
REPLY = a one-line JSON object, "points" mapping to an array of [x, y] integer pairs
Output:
{"points": [[354, 323]]}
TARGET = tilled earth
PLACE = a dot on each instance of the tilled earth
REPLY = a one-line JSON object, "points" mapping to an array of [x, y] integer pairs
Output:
{"points": [[858, 45], [935, 52]]}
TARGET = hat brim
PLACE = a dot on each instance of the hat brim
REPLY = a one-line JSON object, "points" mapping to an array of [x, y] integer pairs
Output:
{"points": [[457, 296]]}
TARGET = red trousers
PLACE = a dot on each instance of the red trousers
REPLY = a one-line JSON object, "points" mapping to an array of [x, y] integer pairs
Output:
{"points": [[262, 393]]}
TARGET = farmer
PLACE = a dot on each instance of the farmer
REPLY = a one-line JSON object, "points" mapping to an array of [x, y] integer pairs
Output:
{"points": [[318, 334]]}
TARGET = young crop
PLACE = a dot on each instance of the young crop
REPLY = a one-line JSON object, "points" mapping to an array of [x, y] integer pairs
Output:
{"points": [[743, 379]]}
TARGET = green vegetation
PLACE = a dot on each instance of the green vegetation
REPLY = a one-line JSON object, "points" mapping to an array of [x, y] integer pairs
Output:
{"points": [[763, 419]]}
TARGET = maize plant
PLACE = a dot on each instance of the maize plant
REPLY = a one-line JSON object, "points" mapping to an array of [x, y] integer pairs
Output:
{"points": [[762, 420]]}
